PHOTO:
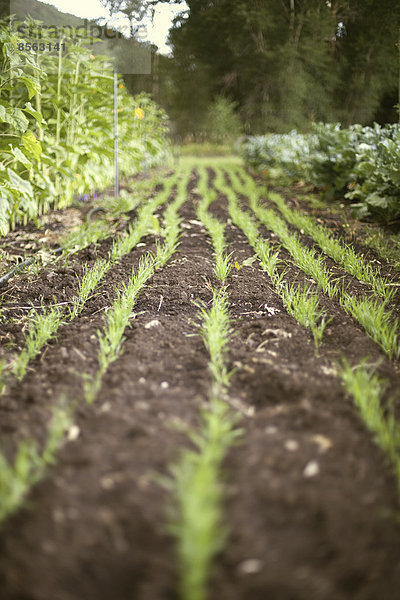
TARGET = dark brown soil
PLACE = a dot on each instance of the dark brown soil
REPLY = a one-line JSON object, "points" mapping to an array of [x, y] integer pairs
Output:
{"points": [[311, 502]]}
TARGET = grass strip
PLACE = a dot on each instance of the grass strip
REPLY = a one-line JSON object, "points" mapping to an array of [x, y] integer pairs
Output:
{"points": [[367, 391], [380, 325]]}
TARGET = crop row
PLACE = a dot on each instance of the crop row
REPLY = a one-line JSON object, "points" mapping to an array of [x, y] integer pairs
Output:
{"points": [[29, 465], [195, 482], [374, 316]]}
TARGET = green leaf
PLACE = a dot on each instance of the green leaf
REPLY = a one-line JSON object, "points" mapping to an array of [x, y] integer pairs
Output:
{"points": [[18, 183], [32, 85], [32, 144], [31, 111], [21, 157], [16, 118]]}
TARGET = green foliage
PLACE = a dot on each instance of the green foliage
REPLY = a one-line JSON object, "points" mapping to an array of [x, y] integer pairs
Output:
{"points": [[63, 144], [222, 124], [42, 329], [343, 254], [87, 283], [284, 63], [373, 315], [216, 229], [361, 163], [378, 322]]}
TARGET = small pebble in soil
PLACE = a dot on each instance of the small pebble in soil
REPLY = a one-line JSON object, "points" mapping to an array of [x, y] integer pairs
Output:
{"points": [[311, 469], [73, 433], [153, 323], [271, 430], [107, 483], [142, 405], [291, 445], [250, 566]]}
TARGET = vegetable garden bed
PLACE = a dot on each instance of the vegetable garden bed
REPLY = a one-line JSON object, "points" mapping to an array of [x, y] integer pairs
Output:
{"points": [[305, 501]]}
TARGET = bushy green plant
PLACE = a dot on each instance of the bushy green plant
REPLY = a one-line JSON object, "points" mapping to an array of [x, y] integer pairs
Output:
{"points": [[359, 163], [222, 124]]}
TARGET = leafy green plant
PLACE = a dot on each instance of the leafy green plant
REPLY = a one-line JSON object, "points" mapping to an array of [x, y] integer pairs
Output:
{"points": [[49, 154], [361, 163]]}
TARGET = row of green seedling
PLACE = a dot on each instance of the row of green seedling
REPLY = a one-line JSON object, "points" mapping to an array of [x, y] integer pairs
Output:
{"points": [[367, 391], [98, 229], [215, 229], [302, 304], [43, 326], [377, 321], [342, 254], [195, 483], [111, 338], [30, 464]]}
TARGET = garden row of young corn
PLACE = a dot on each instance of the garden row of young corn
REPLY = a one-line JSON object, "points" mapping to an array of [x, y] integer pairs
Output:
{"points": [[30, 464], [44, 326], [373, 316], [302, 304], [195, 483]]}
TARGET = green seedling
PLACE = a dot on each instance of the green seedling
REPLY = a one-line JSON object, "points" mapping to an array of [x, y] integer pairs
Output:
{"points": [[29, 465], [367, 391], [371, 315], [378, 323], [42, 329], [88, 282], [195, 483]]}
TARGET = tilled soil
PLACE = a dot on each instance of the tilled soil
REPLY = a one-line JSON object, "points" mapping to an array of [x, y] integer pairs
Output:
{"points": [[311, 502]]}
